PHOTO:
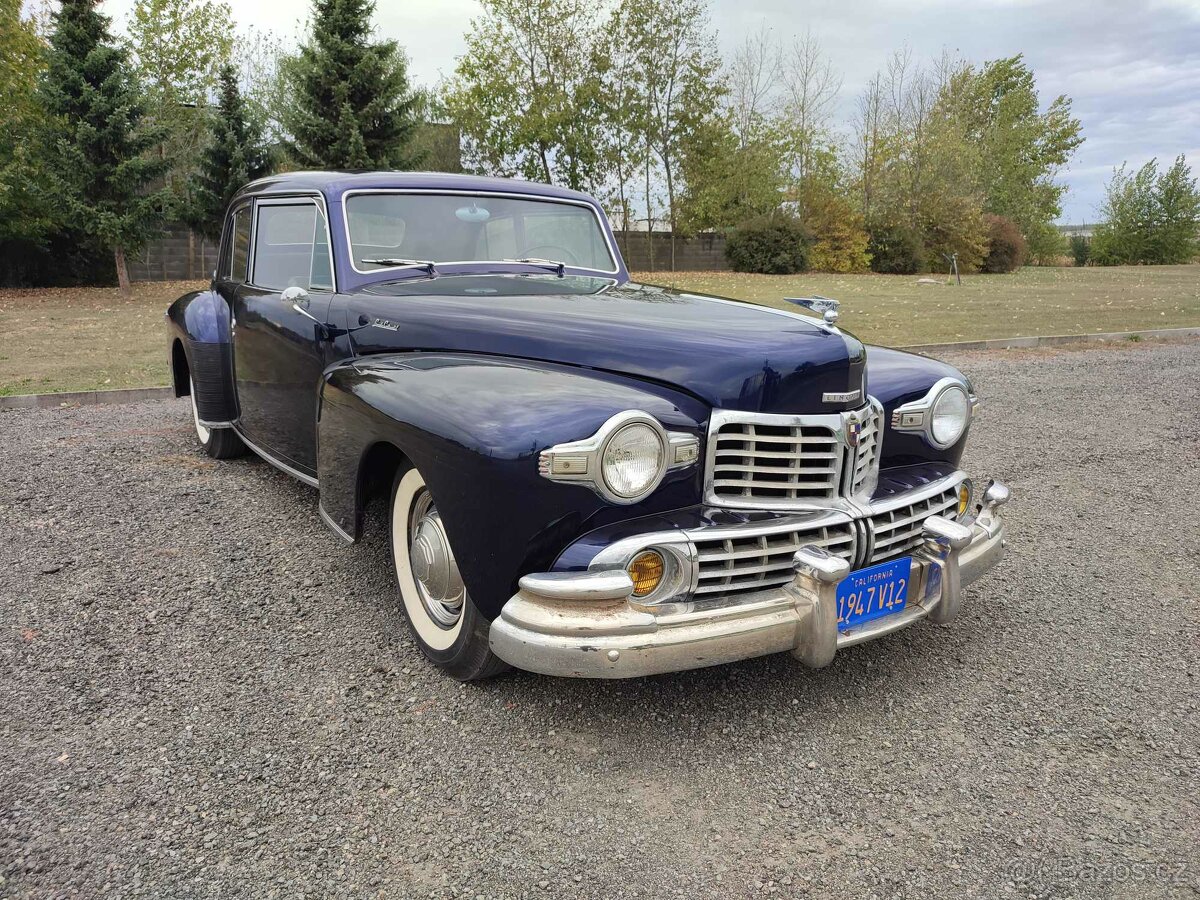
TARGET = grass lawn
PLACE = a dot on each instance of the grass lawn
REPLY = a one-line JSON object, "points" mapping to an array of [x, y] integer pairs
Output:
{"points": [[84, 339], [75, 339], [895, 310]]}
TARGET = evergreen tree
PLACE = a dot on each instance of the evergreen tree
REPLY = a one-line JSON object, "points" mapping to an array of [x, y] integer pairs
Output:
{"points": [[352, 104], [235, 155], [95, 141]]}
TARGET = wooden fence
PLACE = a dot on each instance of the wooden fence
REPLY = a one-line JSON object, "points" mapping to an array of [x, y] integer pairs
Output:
{"points": [[183, 255]]}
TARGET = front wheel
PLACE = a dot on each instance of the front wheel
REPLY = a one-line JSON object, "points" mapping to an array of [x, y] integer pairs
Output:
{"points": [[219, 443], [444, 621]]}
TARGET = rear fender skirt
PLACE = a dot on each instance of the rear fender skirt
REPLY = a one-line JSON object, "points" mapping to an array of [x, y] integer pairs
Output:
{"points": [[200, 321]]}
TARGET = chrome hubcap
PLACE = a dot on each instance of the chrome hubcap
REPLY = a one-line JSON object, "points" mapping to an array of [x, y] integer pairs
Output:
{"points": [[433, 566]]}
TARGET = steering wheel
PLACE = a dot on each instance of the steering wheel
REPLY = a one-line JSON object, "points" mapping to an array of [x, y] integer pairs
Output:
{"points": [[550, 251]]}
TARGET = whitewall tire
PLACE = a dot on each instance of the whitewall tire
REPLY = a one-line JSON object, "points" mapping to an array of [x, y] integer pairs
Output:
{"points": [[447, 626]]}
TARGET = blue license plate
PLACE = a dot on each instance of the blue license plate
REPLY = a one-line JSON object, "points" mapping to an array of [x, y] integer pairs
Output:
{"points": [[872, 593]]}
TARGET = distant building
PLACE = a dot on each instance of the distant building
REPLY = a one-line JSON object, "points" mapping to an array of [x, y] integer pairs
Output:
{"points": [[1084, 231]]}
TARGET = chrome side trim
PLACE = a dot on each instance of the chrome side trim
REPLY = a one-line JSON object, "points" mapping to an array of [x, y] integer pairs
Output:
{"points": [[208, 424], [334, 526], [281, 466]]}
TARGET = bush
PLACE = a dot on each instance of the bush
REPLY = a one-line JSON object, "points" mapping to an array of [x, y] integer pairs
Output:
{"points": [[840, 237], [1006, 246], [1045, 245], [895, 250], [1081, 249], [769, 245]]}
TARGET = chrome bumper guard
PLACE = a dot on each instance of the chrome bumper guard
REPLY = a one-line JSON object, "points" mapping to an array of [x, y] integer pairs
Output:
{"points": [[587, 624]]}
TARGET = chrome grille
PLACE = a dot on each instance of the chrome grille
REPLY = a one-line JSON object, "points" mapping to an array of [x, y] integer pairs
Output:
{"points": [[742, 559], [866, 454], [758, 559], [780, 462], [899, 530], [784, 462]]}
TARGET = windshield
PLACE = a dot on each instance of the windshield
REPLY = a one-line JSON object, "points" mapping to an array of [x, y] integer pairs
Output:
{"points": [[389, 231]]}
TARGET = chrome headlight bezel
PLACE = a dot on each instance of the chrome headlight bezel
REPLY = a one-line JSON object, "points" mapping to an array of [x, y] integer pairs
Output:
{"points": [[962, 418], [607, 477], [582, 462], [917, 415]]}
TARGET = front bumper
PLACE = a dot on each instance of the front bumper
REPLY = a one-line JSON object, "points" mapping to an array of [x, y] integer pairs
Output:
{"points": [[587, 625]]}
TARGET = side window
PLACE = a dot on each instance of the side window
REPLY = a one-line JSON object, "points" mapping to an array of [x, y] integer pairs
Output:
{"points": [[291, 247], [240, 250], [321, 274]]}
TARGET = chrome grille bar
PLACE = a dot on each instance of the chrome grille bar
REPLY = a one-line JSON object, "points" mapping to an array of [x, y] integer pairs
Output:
{"points": [[756, 561], [744, 558], [899, 530], [793, 462]]}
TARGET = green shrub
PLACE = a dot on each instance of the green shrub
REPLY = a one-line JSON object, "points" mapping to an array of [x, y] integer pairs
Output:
{"points": [[896, 250], [1081, 249], [1006, 246], [769, 245], [840, 238], [1045, 245]]}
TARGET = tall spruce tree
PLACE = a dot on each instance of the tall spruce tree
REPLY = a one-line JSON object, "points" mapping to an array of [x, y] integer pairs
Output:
{"points": [[96, 141], [234, 155], [353, 107]]}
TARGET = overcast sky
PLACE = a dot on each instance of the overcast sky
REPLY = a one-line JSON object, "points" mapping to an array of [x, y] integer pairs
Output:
{"points": [[1132, 67]]}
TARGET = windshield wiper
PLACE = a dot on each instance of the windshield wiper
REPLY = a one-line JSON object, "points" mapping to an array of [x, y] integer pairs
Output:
{"points": [[552, 264], [394, 262]]}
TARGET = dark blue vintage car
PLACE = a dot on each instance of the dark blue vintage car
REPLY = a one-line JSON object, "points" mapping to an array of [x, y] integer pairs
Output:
{"points": [[586, 476]]}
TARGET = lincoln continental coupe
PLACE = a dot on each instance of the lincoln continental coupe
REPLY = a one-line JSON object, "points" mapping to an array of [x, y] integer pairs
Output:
{"points": [[583, 475]]}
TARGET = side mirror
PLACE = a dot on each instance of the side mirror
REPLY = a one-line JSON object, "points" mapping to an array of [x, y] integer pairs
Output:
{"points": [[298, 298]]}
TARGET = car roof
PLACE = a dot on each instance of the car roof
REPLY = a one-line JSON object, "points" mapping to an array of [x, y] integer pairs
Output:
{"points": [[334, 184]]}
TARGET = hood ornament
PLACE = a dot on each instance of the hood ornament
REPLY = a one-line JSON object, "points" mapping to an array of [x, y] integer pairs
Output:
{"points": [[824, 307]]}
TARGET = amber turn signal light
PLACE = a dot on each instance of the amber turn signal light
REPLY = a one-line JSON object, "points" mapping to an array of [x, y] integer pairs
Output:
{"points": [[646, 569], [964, 498]]}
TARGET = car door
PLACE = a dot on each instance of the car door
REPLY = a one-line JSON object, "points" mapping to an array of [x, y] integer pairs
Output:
{"points": [[279, 351]]}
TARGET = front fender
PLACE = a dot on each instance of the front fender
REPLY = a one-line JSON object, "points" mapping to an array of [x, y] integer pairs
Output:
{"points": [[474, 426], [895, 377], [198, 325]]}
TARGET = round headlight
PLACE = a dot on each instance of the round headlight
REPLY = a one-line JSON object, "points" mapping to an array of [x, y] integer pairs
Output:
{"points": [[633, 461], [949, 416]]}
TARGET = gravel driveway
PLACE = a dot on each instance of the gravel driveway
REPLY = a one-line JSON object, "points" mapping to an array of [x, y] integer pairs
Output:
{"points": [[205, 694]]}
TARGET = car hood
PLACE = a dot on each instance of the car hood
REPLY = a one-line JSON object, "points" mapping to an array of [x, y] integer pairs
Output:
{"points": [[731, 354]]}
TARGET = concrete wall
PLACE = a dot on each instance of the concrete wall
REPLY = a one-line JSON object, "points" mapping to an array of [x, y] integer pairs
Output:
{"points": [[177, 256]]}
